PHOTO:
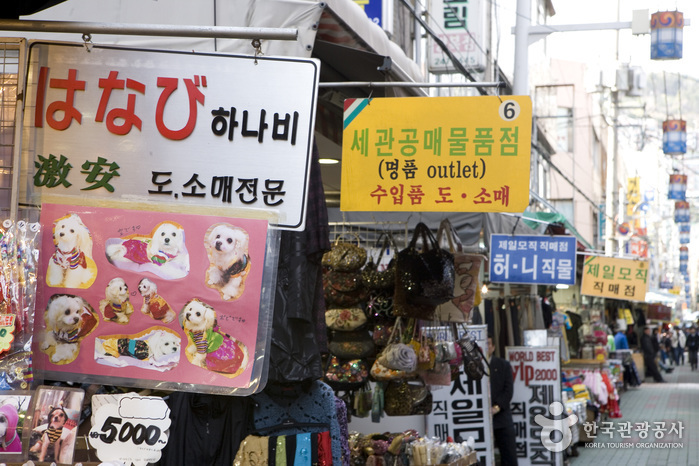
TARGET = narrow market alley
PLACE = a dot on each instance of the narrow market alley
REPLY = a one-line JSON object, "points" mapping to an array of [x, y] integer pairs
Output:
{"points": [[675, 402]]}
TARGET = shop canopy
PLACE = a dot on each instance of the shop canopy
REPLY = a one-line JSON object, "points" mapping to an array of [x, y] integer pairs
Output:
{"points": [[539, 221]]}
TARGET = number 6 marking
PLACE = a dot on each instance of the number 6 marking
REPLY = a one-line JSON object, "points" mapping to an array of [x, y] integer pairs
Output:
{"points": [[509, 110]]}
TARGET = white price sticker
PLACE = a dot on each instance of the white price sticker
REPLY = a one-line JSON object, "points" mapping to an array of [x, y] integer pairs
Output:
{"points": [[132, 431]]}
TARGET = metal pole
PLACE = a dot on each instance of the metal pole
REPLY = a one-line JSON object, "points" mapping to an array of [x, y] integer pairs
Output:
{"points": [[405, 84], [520, 85], [221, 32]]}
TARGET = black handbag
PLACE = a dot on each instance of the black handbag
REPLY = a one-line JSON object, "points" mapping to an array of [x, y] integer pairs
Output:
{"points": [[424, 278], [474, 360]]}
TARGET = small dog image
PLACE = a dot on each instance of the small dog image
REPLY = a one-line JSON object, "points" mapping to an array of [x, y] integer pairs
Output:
{"points": [[71, 265], [156, 348], [229, 262], [68, 320], [155, 305], [51, 442], [10, 438], [208, 346], [115, 306], [163, 252]]}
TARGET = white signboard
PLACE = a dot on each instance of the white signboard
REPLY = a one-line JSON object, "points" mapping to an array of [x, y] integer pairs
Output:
{"points": [[161, 126], [463, 410], [131, 430], [540, 430], [460, 25]]}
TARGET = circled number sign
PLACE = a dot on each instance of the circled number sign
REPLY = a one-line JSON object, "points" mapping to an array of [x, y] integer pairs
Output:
{"points": [[509, 110]]}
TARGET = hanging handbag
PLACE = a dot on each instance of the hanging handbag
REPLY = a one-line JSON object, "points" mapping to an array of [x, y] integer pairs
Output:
{"points": [[345, 256], [400, 357], [372, 277], [407, 398], [466, 270], [351, 345], [424, 278], [345, 319], [474, 360], [343, 288], [347, 375]]}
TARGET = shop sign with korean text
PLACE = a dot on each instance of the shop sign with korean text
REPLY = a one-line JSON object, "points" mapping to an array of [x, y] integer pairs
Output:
{"points": [[545, 260], [460, 25], [436, 154], [161, 126], [537, 384], [611, 277], [463, 409]]}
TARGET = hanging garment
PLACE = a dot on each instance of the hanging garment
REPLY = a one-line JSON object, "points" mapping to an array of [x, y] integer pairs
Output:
{"points": [[310, 402], [343, 421], [205, 429], [298, 327]]}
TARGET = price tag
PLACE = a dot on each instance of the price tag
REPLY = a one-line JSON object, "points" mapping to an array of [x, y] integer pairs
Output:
{"points": [[131, 431], [7, 332]]}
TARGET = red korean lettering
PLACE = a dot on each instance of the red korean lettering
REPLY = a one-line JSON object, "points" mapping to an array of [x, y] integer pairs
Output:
{"points": [[128, 115], [194, 95]]}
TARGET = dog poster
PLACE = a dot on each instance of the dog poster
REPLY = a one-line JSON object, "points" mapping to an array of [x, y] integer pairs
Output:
{"points": [[176, 299], [13, 411], [53, 420]]}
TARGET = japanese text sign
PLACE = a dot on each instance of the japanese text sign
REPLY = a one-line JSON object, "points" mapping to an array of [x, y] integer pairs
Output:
{"points": [[436, 154], [611, 277], [160, 126], [546, 260], [537, 384], [463, 409]]}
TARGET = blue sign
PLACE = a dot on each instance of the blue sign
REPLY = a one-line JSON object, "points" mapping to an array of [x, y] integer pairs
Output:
{"points": [[373, 9], [545, 260]]}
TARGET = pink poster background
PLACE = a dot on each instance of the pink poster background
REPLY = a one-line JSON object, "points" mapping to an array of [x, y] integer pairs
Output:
{"points": [[238, 318]]}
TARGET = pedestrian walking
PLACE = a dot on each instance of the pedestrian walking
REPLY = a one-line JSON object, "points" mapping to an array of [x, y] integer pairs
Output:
{"points": [[649, 356], [692, 347]]}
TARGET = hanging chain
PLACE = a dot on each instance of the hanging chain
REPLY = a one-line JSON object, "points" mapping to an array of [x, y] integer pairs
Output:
{"points": [[87, 39], [257, 45]]}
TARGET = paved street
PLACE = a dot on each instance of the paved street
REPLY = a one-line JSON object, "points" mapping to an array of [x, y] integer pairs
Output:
{"points": [[673, 402]]}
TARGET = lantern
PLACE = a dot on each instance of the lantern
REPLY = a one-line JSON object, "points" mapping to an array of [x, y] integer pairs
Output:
{"points": [[684, 233], [678, 187], [674, 137], [666, 35], [684, 253], [681, 211], [683, 267]]}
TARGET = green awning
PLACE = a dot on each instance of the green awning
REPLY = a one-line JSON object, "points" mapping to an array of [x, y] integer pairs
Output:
{"points": [[552, 217]]}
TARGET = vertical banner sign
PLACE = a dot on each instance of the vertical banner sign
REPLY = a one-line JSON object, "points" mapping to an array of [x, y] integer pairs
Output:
{"points": [[633, 195], [610, 277], [545, 260], [537, 384], [463, 410], [436, 154], [161, 126], [461, 25]]}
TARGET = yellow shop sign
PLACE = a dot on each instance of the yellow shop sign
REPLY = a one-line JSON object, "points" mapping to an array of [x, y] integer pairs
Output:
{"points": [[436, 154]]}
